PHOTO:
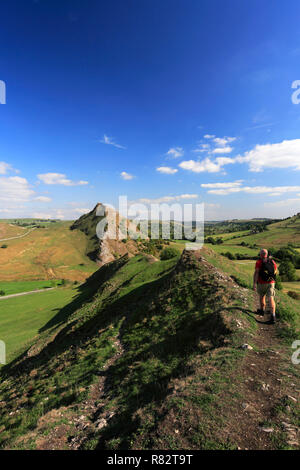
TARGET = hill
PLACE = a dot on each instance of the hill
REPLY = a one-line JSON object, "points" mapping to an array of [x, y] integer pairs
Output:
{"points": [[149, 355], [112, 245], [50, 252], [274, 235]]}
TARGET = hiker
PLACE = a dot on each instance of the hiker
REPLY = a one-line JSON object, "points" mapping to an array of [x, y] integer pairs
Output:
{"points": [[264, 282]]}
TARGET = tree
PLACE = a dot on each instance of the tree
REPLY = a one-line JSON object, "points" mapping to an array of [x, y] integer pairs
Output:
{"points": [[287, 271]]}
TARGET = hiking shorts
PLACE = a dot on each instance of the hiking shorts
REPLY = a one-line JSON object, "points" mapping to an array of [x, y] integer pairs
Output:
{"points": [[266, 289]]}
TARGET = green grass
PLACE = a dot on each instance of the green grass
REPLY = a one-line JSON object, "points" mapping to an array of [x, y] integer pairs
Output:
{"points": [[161, 314], [172, 318], [16, 287], [22, 317], [231, 235], [244, 250]]}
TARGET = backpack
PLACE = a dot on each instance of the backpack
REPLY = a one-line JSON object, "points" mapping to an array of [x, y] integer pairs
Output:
{"points": [[267, 271]]}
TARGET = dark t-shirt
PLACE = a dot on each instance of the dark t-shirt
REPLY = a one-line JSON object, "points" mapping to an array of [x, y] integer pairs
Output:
{"points": [[258, 266]]}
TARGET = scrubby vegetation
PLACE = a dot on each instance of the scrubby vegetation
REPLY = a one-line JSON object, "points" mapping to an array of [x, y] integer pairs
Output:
{"points": [[169, 253]]}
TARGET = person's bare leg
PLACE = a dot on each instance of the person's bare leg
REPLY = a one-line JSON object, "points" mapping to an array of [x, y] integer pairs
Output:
{"points": [[263, 303], [272, 306]]}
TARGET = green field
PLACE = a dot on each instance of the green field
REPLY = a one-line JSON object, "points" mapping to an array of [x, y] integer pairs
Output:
{"points": [[26, 286], [22, 317]]}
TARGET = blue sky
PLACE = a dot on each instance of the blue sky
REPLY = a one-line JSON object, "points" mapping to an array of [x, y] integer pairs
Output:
{"points": [[164, 100]]}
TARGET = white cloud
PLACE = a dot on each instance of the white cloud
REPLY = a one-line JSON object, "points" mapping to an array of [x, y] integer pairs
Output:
{"points": [[61, 213], [166, 170], [126, 176], [237, 188], [285, 154], [202, 148], [43, 199], [293, 202], [167, 199], [14, 189], [42, 215], [108, 140], [220, 145], [175, 152], [59, 178], [4, 168], [223, 150], [206, 165], [81, 210], [222, 185], [222, 142]]}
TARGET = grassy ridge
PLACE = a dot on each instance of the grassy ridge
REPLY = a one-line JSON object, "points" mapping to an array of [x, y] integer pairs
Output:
{"points": [[166, 315]]}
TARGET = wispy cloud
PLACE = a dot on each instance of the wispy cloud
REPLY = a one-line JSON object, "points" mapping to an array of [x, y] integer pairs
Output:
{"points": [[43, 199], [259, 126], [108, 140], [223, 189], [222, 185], [215, 145], [166, 199], [292, 203], [59, 178], [126, 176], [6, 167], [175, 152]]}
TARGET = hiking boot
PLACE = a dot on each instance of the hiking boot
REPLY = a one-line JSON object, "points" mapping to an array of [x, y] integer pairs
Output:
{"points": [[259, 311], [272, 321]]}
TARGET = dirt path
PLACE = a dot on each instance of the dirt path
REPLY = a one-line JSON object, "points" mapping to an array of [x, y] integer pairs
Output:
{"points": [[19, 236], [270, 391], [25, 293]]}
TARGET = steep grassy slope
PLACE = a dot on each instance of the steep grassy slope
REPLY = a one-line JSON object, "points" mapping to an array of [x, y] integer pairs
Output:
{"points": [[147, 355], [22, 317], [53, 252]]}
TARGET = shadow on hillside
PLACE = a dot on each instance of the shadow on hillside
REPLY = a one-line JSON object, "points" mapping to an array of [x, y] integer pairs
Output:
{"points": [[168, 344], [249, 313], [85, 295], [179, 346], [86, 291]]}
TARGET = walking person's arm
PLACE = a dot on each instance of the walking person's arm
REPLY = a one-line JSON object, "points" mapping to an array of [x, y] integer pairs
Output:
{"points": [[255, 279]]}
